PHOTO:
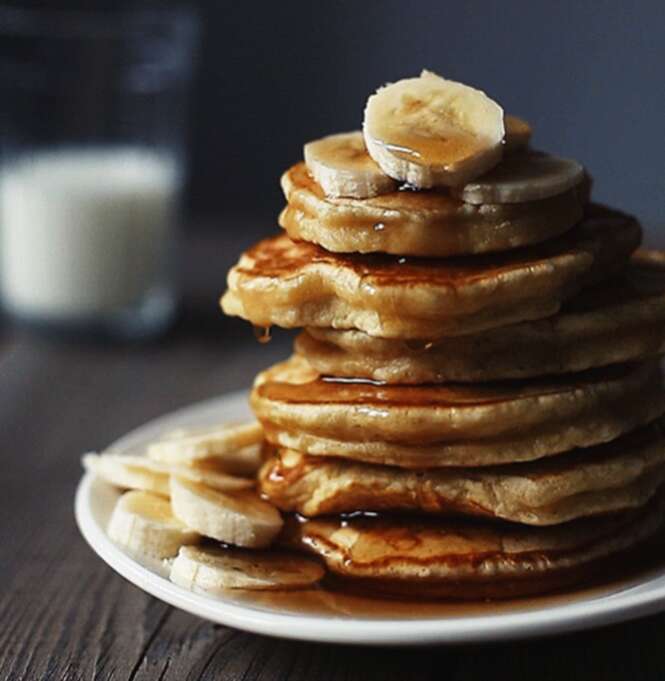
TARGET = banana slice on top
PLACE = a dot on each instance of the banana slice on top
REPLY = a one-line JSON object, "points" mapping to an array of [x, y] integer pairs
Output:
{"points": [[529, 176], [518, 134], [236, 447], [141, 473], [144, 525], [431, 132], [242, 518], [343, 168], [213, 570]]}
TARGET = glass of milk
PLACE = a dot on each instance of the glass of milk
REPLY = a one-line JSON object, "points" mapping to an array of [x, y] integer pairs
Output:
{"points": [[92, 122]]}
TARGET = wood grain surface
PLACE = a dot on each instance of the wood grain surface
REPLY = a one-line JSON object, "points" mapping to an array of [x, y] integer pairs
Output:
{"points": [[65, 615]]}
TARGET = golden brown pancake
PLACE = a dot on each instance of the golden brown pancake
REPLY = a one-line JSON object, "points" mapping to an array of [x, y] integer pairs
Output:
{"points": [[453, 424], [462, 559], [612, 477], [423, 223], [618, 321], [299, 284]]}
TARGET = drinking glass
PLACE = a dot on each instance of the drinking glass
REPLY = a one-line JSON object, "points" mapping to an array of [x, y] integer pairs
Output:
{"points": [[92, 139]]}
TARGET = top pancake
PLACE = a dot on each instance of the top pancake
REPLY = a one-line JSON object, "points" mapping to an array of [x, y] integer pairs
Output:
{"points": [[616, 321], [299, 284], [423, 223]]}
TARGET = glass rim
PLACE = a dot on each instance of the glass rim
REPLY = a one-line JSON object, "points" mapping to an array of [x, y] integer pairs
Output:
{"points": [[99, 23]]}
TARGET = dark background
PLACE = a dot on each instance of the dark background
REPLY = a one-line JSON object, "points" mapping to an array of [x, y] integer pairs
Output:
{"points": [[588, 75]]}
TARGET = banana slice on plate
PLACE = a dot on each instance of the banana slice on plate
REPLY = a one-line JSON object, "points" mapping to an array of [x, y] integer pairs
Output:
{"points": [[529, 176], [432, 132], [343, 168], [242, 518], [236, 447], [129, 472], [217, 479], [518, 134], [142, 473], [145, 527], [213, 570]]}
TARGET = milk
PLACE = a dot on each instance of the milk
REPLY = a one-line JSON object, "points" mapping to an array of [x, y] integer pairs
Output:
{"points": [[85, 233]]}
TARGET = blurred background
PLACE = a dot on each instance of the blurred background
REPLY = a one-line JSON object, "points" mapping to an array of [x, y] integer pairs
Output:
{"points": [[266, 77]]}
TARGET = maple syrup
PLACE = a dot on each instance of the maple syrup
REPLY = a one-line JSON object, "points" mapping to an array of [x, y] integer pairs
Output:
{"points": [[353, 391], [339, 598], [263, 334], [446, 149]]}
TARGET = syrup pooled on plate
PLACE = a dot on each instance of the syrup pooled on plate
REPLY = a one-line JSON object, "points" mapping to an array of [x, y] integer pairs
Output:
{"points": [[338, 598]]}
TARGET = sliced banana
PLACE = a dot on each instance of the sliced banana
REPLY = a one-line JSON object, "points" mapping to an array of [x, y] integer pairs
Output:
{"points": [[213, 570], [518, 134], [235, 446], [143, 525], [342, 167], [523, 177], [243, 518], [432, 132], [129, 472], [217, 479], [139, 472], [243, 462]]}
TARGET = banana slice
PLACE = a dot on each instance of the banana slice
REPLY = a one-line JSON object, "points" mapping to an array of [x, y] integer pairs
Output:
{"points": [[432, 132], [213, 570], [524, 177], [236, 447], [518, 134], [342, 167], [217, 479], [129, 472], [143, 524], [243, 518], [141, 473]]}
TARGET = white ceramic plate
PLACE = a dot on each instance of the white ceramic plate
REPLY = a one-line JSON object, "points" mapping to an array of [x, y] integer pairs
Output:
{"points": [[94, 502]]}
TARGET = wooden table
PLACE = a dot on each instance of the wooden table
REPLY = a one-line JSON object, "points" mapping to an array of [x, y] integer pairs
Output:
{"points": [[65, 615]]}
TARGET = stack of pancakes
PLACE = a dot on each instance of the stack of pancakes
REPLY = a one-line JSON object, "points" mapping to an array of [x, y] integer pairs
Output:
{"points": [[475, 405]]}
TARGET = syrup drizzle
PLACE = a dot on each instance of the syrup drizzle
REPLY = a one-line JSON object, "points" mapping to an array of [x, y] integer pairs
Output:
{"points": [[263, 334]]}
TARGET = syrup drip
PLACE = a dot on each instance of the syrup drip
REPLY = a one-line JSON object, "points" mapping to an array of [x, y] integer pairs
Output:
{"points": [[263, 334], [416, 345]]}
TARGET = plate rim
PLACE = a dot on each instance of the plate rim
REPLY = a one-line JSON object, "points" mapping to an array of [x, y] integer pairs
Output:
{"points": [[475, 628]]}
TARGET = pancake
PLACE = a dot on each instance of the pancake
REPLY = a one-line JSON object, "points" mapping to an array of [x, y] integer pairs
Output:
{"points": [[423, 223], [618, 321], [299, 284], [453, 424], [462, 559], [612, 477]]}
